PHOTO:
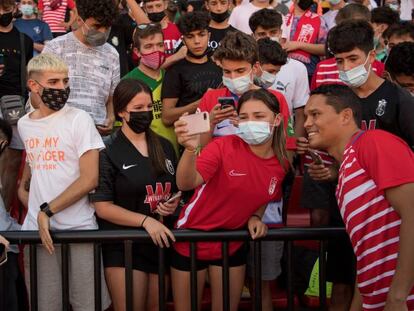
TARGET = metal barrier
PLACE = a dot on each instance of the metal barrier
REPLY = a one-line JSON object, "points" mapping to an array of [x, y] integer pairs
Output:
{"points": [[289, 235]]}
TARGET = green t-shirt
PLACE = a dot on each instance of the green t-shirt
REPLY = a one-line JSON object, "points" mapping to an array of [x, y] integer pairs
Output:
{"points": [[155, 85]]}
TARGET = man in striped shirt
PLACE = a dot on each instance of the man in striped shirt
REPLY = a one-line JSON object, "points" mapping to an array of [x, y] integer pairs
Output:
{"points": [[375, 195], [53, 12]]}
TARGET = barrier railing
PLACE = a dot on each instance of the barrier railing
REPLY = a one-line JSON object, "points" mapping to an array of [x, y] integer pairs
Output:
{"points": [[97, 237]]}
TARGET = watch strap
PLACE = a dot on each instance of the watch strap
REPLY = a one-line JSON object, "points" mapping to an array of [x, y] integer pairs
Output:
{"points": [[45, 208]]}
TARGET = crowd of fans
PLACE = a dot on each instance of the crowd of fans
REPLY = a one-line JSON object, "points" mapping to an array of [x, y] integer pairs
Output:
{"points": [[97, 99]]}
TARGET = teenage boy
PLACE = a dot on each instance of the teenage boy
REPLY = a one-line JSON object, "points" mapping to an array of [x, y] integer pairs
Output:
{"points": [[240, 15], [276, 70], [12, 83], [304, 35], [149, 45], [186, 81], [62, 154], [219, 23], [375, 195], [36, 29], [400, 65], [93, 64], [398, 33]]}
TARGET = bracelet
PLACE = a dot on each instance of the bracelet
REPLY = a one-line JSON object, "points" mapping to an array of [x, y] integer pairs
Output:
{"points": [[142, 223], [255, 215], [196, 150]]}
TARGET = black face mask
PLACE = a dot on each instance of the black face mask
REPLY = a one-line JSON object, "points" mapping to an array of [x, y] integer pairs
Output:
{"points": [[6, 19], [140, 121], [156, 17], [55, 99], [219, 17], [206, 53], [305, 4]]}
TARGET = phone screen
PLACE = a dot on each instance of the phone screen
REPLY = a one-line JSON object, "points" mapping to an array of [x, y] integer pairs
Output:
{"points": [[226, 102]]}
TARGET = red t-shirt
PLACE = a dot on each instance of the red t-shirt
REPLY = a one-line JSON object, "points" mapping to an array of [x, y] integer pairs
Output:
{"points": [[172, 38], [210, 99], [54, 17], [236, 184], [327, 72], [374, 162]]}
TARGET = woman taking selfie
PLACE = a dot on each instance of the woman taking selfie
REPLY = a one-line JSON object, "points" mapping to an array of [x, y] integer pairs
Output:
{"points": [[136, 179], [234, 178]]}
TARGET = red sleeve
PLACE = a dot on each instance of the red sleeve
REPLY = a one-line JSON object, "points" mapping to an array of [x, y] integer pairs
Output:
{"points": [[71, 4], [204, 103], [209, 161], [386, 158], [379, 68], [284, 110], [40, 5]]}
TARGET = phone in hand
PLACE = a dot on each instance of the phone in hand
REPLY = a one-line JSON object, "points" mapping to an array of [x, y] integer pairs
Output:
{"points": [[172, 198], [316, 158], [3, 254], [197, 123], [227, 102]]}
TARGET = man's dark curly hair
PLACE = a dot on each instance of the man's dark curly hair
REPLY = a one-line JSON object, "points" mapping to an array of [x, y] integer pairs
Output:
{"points": [[193, 21], [401, 60], [265, 18], [104, 11], [270, 52]]}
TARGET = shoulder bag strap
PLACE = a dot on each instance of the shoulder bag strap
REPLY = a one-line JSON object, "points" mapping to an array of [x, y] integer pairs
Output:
{"points": [[22, 65]]}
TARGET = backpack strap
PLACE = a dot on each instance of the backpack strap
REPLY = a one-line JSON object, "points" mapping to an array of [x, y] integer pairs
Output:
{"points": [[22, 65]]}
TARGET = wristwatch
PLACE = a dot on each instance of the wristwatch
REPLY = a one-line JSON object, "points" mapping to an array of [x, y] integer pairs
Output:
{"points": [[45, 208]]}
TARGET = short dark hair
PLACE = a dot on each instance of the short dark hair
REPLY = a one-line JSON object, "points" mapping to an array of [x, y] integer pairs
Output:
{"points": [[265, 18], [143, 31], [271, 52], [193, 21], [353, 11], [5, 4], [238, 46], [400, 30], [6, 128], [349, 35], [384, 15], [341, 97], [104, 11], [401, 60]]}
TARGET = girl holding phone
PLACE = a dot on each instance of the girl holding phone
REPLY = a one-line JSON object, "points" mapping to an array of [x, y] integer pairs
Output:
{"points": [[136, 180], [234, 178]]}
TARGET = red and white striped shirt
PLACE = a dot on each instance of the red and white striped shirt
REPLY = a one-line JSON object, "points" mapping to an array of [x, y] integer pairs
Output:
{"points": [[374, 162], [54, 17]]}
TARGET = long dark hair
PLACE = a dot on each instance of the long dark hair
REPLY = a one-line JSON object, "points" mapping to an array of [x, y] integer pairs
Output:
{"points": [[279, 137], [125, 91]]}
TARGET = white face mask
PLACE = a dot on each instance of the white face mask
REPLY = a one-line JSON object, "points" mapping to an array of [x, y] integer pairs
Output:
{"points": [[238, 85], [254, 132], [267, 79], [357, 76], [277, 39], [334, 2]]}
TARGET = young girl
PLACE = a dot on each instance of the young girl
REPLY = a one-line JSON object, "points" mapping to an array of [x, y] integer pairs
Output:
{"points": [[234, 178], [137, 174]]}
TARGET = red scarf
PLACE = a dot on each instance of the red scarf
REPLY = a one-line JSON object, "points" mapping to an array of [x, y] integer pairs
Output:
{"points": [[307, 31]]}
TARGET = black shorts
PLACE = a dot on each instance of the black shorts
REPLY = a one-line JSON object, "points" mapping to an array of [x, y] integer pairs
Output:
{"points": [[316, 194], [183, 263], [341, 262], [144, 257]]}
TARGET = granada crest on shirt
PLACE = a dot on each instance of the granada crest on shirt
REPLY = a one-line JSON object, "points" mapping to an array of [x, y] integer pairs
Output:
{"points": [[170, 166], [382, 104], [272, 186]]}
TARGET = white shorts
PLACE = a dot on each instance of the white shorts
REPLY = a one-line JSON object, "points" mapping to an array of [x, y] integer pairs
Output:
{"points": [[81, 278]]}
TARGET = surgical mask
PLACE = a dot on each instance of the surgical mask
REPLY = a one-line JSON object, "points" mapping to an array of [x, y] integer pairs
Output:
{"points": [[219, 17], [6, 19], [355, 77], [153, 60], [238, 85], [156, 17], [267, 79], [376, 42], [334, 2], [276, 39], [254, 132], [54, 99], [394, 6], [27, 9], [140, 121], [95, 37]]}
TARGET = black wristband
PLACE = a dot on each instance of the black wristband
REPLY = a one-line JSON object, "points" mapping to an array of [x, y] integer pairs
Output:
{"points": [[142, 223], [45, 208]]}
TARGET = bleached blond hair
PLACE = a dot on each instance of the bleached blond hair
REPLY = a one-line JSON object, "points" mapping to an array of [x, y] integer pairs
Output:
{"points": [[46, 62]]}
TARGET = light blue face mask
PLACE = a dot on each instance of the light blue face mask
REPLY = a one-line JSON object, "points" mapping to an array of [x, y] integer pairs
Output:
{"points": [[254, 132], [27, 9]]}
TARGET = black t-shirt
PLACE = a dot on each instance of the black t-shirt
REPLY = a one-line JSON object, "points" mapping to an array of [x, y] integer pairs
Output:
{"points": [[189, 81], [126, 178], [10, 81], [216, 35], [390, 108], [120, 38]]}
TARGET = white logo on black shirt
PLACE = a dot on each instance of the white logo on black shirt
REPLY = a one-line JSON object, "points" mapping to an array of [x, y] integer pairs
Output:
{"points": [[381, 107], [272, 186], [170, 166], [125, 167]]}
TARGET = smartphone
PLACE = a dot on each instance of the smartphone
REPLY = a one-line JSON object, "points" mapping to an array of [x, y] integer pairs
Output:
{"points": [[173, 197], [197, 123], [3, 254], [226, 102], [316, 158]]}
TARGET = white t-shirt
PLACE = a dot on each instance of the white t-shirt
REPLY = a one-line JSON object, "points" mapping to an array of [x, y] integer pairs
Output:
{"points": [[54, 145], [329, 18], [93, 73], [240, 16], [292, 82]]}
